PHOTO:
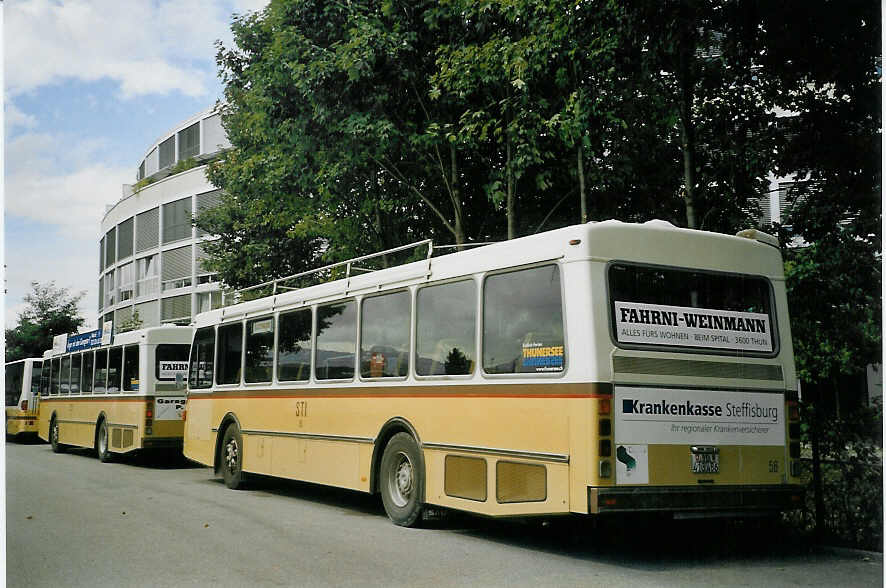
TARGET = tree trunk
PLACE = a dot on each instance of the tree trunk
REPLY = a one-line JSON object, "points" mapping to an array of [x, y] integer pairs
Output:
{"points": [[457, 210], [511, 211], [581, 183], [687, 95]]}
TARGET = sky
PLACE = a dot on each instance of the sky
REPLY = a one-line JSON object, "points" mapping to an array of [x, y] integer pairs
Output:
{"points": [[88, 86]]}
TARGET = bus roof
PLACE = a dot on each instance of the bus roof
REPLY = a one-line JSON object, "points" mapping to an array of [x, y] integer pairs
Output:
{"points": [[150, 335], [654, 242]]}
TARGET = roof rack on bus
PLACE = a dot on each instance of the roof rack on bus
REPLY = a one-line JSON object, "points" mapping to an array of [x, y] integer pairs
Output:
{"points": [[334, 271]]}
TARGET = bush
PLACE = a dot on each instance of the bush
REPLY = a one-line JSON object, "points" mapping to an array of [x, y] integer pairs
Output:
{"points": [[852, 479]]}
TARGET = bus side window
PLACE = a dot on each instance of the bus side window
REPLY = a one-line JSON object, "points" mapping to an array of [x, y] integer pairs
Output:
{"points": [[523, 322], [88, 363], [76, 364], [14, 377], [44, 378], [36, 377], [445, 329], [384, 335], [336, 341], [202, 350], [130, 368], [294, 346], [115, 362], [54, 376], [230, 347], [101, 371], [66, 375], [259, 361]]}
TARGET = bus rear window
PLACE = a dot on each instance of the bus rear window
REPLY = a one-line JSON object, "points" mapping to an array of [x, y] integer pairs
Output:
{"points": [[172, 361], [691, 309]]}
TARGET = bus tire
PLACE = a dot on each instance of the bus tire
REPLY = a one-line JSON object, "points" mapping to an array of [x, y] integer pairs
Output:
{"points": [[53, 436], [232, 457], [402, 480], [101, 443]]}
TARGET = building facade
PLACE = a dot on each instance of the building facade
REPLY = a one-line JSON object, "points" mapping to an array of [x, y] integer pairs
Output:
{"points": [[150, 255]]}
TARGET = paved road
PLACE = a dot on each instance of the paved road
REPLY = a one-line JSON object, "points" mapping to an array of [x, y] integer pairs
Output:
{"points": [[73, 521]]}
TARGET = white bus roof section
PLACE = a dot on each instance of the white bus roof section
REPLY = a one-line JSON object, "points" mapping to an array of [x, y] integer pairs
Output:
{"points": [[151, 335], [655, 242]]}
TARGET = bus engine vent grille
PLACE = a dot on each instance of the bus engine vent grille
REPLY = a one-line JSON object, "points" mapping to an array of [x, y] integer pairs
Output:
{"points": [[702, 369]]}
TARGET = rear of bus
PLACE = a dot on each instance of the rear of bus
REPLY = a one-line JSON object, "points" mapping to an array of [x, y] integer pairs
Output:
{"points": [[694, 337], [22, 387], [168, 349]]}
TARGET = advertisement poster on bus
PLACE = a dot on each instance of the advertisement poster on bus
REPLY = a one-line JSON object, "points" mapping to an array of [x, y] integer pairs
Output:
{"points": [[169, 408], [675, 416], [658, 324]]}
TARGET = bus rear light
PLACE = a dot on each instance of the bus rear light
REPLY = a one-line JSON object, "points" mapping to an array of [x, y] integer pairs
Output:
{"points": [[605, 468], [605, 427], [604, 406], [149, 413], [609, 501], [149, 431], [605, 447], [795, 449], [184, 415], [793, 412], [24, 405]]}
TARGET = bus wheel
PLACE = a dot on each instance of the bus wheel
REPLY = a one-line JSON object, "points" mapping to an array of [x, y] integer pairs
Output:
{"points": [[53, 436], [101, 443], [232, 457], [402, 480]]}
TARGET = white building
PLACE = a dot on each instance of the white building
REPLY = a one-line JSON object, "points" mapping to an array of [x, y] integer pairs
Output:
{"points": [[150, 254]]}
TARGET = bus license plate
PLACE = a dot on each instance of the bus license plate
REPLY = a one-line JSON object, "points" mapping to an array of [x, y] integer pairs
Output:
{"points": [[705, 463]]}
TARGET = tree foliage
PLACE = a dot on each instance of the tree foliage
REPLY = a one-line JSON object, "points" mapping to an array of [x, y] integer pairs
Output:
{"points": [[50, 311], [357, 127]]}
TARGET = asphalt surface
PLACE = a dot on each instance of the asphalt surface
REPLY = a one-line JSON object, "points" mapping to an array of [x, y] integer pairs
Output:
{"points": [[161, 521]]}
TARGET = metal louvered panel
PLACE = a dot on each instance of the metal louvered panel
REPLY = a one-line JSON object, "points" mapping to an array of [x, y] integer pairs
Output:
{"points": [[121, 315], [147, 230], [176, 308], [701, 369], [147, 313], [177, 220], [177, 263], [201, 257], [206, 201], [110, 247], [124, 239]]}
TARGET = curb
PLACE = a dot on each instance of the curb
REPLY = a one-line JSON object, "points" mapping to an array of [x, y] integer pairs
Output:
{"points": [[846, 551]]}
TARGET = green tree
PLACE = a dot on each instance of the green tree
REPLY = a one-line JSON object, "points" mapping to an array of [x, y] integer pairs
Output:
{"points": [[50, 311]]}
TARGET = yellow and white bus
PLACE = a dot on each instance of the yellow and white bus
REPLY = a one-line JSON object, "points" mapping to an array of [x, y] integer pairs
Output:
{"points": [[22, 390], [606, 367], [115, 396]]}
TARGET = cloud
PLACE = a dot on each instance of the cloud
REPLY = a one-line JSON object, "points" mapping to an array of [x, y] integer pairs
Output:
{"points": [[74, 200], [16, 119], [147, 47]]}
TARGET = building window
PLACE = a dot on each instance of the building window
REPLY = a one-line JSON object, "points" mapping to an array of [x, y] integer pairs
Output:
{"points": [[207, 301], [124, 239], [177, 220], [148, 281], [126, 281], [141, 171], [147, 230], [109, 289], [167, 152], [176, 309], [189, 141], [111, 247], [177, 268]]}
